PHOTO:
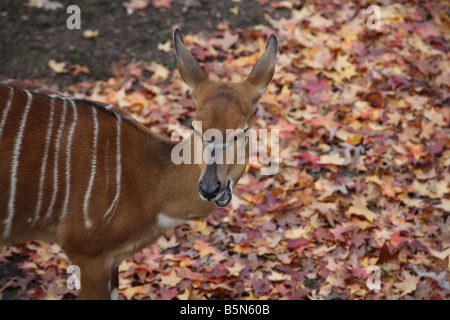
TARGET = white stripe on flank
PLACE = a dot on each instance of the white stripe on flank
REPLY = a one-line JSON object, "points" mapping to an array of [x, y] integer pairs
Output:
{"points": [[87, 223], [54, 95], [106, 164], [68, 159], [56, 164], [14, 165], [44, 160], [118, 173], [6, 111]]}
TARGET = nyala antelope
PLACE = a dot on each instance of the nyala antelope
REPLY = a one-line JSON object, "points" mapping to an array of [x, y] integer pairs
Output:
{"points": [[87, 176]]}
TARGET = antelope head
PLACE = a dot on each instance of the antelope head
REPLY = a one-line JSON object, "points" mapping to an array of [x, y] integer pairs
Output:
{"points": [[223, 112]]}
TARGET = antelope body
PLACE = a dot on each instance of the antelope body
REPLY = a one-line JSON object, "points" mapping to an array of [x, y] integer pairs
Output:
{"points": [[101, 185]]}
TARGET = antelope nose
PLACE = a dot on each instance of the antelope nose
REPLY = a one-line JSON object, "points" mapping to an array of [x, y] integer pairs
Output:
{"points": [[209, 191]]}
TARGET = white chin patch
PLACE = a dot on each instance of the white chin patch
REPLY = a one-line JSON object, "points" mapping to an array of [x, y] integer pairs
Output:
{"points": [[165, 222], [114, 294]]}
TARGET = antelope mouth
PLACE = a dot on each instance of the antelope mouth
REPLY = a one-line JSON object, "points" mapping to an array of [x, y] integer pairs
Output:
{"points": [[225, 199]]}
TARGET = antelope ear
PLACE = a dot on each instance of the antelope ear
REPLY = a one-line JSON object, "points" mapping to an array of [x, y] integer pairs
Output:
{"points": [[264, 68], [188, 66]]}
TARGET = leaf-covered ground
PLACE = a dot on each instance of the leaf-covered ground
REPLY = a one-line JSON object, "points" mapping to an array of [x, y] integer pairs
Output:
{"points": [[364, 164]]}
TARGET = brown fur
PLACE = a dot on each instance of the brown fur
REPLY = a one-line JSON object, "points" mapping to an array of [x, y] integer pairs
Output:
{"points": [[151, 182]]}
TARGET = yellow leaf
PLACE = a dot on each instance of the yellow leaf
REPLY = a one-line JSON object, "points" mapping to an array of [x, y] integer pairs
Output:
{"points": [[322, 250], [445, 205], [203, 248], [344, 67], [442, 188], [185, 295], [201, 226], [408, 285], [354, 139], [90, 33], [333, 159], [234, 270], [410, 202], [297, 233], [235, 10], [441, 255], [317, 21], [420, 188], [362, 211], [171, 279], [160, 73], [374, 179], [286, 4], [130, 292], [58, 67], [166, 47], [276, 276], [377, 127]]}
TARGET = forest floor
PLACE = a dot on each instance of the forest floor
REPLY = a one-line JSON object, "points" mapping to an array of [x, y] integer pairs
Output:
{"points": [[363, 190]]}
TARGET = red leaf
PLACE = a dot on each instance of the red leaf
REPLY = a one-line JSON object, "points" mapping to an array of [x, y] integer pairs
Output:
{"points": [[315, 86], [162, 3], [167, 294], [396, 239], [294, 244]]}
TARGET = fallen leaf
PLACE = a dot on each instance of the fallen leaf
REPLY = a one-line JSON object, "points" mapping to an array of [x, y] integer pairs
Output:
{"points": [[88, 34], [408, 285], [363, 212], [58, 67], [171, 279], [162, 3]]}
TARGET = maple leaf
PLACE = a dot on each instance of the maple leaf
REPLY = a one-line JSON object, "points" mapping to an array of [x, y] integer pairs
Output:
{"points": [[332, 159], [363, 212], [317, 21], [325, 120], [236, 269], [163, 243], [160, 72], [227, 41], [294, 244], [88, 34], [162, 3], [441, 255], [277, 276], [58, 67], [45, 4], [185, 295], [171, 279], [308, 158], [78, 69], [416, 102], [445, 205], [315, 86], [130, 292], [344, 67], [435, 117], [417, 151], [135, 5], [166, 294], [409, 283], [203, 248], [396, 239], [166, 47]]}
